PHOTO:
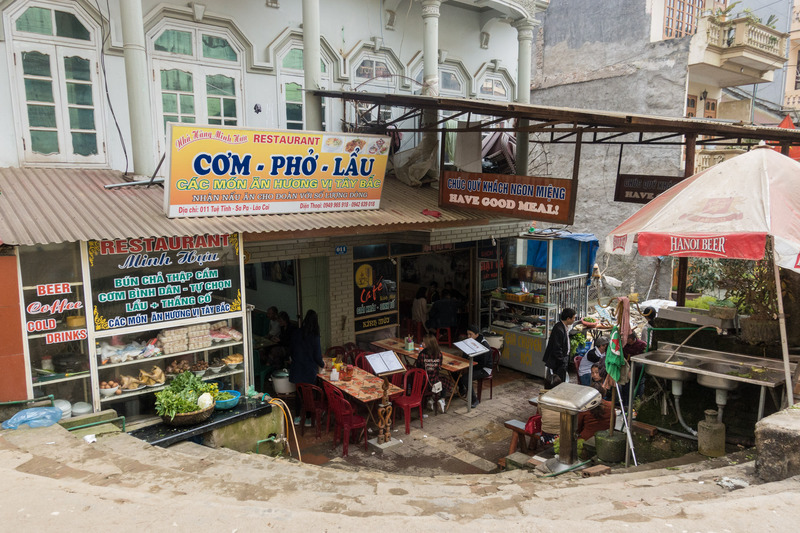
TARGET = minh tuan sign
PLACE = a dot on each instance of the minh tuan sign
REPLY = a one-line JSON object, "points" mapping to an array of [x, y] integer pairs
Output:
{"points": [[526, 197], [224, 171]]}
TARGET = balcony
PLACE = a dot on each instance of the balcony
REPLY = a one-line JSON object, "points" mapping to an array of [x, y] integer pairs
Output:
{"points": [[735, 52], [707, 158]]}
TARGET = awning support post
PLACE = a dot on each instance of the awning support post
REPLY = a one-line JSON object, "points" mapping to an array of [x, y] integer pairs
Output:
{"points": [[782, 323], [683, 262]]}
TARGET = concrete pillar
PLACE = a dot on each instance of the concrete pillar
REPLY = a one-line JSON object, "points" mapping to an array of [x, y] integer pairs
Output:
{"points": [[524, 29], [430, 66], [136, 76], [312, 74]]}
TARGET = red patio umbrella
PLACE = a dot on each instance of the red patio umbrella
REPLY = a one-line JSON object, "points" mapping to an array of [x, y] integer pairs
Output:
{"points": [[726, 211]]}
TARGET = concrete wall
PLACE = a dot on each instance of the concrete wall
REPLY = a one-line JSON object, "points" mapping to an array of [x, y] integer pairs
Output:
{"points": [[588, 58]]}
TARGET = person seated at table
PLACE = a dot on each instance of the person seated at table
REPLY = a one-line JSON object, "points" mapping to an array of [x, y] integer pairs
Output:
{"points": [[594, 420], [443, 313], [597, 380], [430, 360], [633, 346], [274, 325], [419, 308], [551, 420], [448, 286], [280, 352], [592, 357], [433, 292], [306, 351], [483, 363]]}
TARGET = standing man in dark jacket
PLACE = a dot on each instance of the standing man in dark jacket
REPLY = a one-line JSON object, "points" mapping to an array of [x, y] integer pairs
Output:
{"points": [[556, 355]]}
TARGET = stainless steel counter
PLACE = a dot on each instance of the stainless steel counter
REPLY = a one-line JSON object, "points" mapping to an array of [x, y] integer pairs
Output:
{"points": [[725, 365]]}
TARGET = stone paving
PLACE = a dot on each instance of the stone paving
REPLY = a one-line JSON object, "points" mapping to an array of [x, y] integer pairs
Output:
{"points": [[455, 442]]}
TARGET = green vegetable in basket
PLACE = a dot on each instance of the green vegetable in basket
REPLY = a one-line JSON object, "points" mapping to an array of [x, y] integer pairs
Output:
{"points": [[181, 395], [222, 396]]}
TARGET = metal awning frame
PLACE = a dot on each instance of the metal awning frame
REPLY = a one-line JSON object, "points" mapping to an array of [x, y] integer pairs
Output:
{"points": [[562, 125]]}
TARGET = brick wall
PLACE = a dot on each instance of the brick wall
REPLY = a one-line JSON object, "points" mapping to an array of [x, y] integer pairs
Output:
{"points": [[340, 267]]}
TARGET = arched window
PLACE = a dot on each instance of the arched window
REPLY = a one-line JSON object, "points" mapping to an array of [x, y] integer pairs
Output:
{"points": [[494, 88], [374, 72], [292, 80], [57, 90], [198, 75], [451, 81]]}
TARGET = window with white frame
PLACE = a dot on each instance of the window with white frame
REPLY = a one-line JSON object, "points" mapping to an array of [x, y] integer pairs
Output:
{"points": [[451, 81], [198, 76], [374, 72], [494, 88], [292, 80], [55, 67]]}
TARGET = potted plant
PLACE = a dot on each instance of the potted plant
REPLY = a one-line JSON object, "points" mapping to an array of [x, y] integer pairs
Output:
{"points": [[725, 309]]}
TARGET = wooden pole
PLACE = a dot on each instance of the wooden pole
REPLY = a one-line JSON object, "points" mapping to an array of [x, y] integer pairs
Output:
{"points": [[782, 323], [683, 262]]}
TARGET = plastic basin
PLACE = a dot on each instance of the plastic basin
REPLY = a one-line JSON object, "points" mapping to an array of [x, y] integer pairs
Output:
{"points": [[228, 404]]}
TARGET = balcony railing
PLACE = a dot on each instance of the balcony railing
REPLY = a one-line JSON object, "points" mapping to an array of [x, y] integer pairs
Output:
{"points": [[745, 32]]}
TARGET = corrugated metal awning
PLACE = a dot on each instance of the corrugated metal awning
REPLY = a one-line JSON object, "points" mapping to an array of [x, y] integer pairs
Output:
{"points": [[50, 205]]}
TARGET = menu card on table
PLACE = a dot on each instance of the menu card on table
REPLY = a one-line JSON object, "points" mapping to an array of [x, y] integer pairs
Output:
{"points": [[471, 347], [385, 362]]}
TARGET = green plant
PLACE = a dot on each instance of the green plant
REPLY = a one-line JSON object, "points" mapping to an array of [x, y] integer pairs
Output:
{"points": [[723, 303], [750, 285], [704, 274], [575, 342], [704, 302], [181, 395], [720, 15]]}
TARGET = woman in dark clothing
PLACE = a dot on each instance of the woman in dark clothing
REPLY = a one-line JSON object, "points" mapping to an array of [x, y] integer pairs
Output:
{"points": [[430, 360], [483, 362], [280, 353], [306, 351]]}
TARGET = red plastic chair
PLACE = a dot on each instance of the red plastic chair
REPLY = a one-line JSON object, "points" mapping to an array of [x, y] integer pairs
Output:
{"points": [[444, 336], [495, 365], [346, 419], [577, 363], [313, 401], [419, 382], [362, 363], [335, 351], [398, 379], [417, 331], [350, 346]]}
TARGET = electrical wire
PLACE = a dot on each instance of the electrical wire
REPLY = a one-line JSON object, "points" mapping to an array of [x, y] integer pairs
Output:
{"points": [[103, 39]]}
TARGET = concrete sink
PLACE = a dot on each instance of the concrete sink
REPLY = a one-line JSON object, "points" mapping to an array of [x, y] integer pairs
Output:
{"points": [[717, 381], [673, 371]]}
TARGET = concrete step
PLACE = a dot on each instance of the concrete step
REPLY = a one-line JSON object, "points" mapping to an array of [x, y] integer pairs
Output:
{"points": [[120, 464]]}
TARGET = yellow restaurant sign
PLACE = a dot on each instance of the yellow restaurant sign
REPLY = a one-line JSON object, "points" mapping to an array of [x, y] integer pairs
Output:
{"points": [[225, 171]]}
